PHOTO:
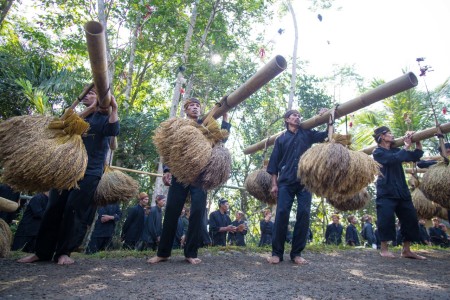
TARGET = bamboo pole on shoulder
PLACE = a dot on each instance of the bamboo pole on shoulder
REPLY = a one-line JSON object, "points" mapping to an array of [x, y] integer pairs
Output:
{"points": [[417, 136], [381, 92]]}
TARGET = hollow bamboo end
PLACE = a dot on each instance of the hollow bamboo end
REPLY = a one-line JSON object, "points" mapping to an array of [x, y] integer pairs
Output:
{"points": [[281, 62], [93, 27]]}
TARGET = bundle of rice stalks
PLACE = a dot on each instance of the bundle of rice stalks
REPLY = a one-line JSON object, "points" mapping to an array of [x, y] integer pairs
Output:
{"points": [[53, 157], [330, 168], [115, 186], [189, 154], [163, 135], [441, 212], [425, 208], [218, 169], [258, 184], [8, 205], [5, 238], [435, 184], [356, 202]]}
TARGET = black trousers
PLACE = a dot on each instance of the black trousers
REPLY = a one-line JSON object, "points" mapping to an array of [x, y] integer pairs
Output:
{"points": [[97, 244], [387, 208], [24, 243], [175, 201], [66, 219]]}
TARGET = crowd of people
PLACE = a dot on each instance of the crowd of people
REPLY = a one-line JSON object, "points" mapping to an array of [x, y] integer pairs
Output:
{"points": [[55, 223]]}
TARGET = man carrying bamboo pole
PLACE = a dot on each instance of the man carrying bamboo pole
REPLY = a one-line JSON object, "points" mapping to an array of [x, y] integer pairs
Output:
{"points": [[176, 199], [65, 220], [283, 165], [393, 196]]}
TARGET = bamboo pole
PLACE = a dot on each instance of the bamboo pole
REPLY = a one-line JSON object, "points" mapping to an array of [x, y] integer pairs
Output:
{"points": [[412, 171], [381, 92], [268, 72], [417, 136], [96, 43], [160, 175]]}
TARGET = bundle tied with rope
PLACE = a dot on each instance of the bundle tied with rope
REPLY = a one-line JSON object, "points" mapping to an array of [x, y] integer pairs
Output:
{"points": [[38, 153], [6, 236], [435, 184], [334, 171], [194, 152], [259, 182], [115, 186]]}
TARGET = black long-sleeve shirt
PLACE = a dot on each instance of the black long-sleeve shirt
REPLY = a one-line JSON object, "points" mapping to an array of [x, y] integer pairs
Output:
{"points": [[106, 229], [333, 234], [351, 235], [237, 238], [217, 220], [288, 149], [368, 234], [266, 232], [134, 224]]}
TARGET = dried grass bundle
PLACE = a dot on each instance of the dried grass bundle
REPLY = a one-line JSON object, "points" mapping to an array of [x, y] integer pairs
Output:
{"points": [[115, 186], [49, 158], [441, 212], [258, 184], [356, 202], [189, 154], [435, 184], [218, 169], [5, 239], [425, 208], [8, 205], [163, 135], [212, 131]]}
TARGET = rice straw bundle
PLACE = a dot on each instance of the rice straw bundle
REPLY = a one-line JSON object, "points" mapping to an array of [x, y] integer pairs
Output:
{"points": [[54, 157], [258, 184], [425, 208], [218, 169], [164, 133], [356, 202], [5, 239], [435, 184], [441, 212], [189, 154], [331, 169], [115, 186], [8, 205]]}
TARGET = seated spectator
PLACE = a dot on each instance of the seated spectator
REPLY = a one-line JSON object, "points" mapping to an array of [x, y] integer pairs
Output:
{"points": [[437, 236], [351, 233], [238, 238], [266, 227], [333, 233], [101, 237], [424, 236], [25, 237]]}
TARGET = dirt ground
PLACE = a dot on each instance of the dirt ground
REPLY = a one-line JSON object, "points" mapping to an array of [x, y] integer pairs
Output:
{"points": [[350, 274]]}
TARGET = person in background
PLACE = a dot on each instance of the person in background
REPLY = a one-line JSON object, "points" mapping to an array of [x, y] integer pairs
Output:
{"points": [[134, 223], [238, 238], [393, 196], [101, 237], [154, 221], [25, 237], [367, 232], [424, 236], [351, 233], [220, 224], [437, 236], [333, 233], [266, 227]]}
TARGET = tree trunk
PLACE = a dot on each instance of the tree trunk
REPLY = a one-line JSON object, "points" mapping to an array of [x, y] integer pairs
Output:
{"points": [[133, 43], [294, 57], [4, 9]]}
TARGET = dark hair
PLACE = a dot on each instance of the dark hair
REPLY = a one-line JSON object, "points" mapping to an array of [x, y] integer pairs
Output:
{"points": [[378, 132], [222, 201], [160, 197], [288, 114]]}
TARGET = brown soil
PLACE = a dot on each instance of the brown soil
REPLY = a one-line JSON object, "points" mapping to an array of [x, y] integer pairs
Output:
{"points": [[352, 274]]}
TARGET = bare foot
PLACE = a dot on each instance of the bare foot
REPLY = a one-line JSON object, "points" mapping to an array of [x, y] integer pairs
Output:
{"points": [[300, 260], [409, 254], [65, 260], [157, 259], [193, 261], [28, 259], [273, 260], [387, 254]]}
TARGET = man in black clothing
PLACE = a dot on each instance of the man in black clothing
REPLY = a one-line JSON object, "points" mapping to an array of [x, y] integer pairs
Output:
{"points": [[25, 237], [154, 221], [176, 198], [393, 196], [351, 233], [134, 224], [238, 238], [220, 224], [64, 224], [283, 165], [424, 236], [101, 237], [437, 236], [367, 232], [266, 227], [333, 234]]}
